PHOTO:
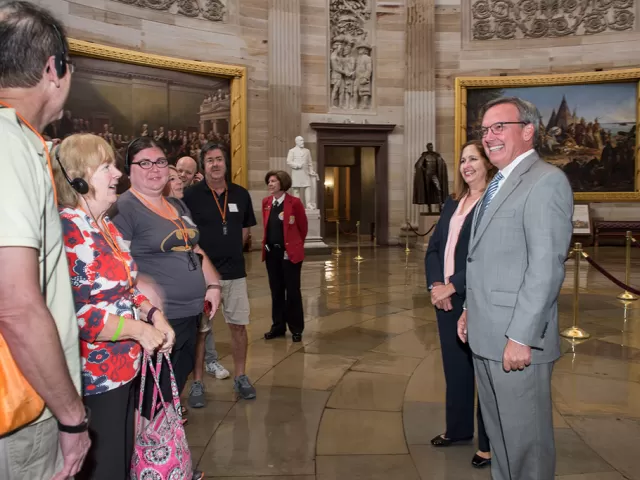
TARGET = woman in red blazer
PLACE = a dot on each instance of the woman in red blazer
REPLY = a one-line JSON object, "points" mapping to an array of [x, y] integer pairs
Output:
{"points": [[285, 229]]}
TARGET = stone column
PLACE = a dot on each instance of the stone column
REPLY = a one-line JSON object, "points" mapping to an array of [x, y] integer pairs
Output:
{"points": [[419, 96], [285, 80]]}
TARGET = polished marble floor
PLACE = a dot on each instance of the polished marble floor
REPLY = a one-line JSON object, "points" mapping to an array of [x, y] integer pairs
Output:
{"points": [[363, 394]]}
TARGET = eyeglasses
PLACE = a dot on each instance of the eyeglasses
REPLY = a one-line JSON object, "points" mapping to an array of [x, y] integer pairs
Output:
{"points": [[147, 164], [497, 128]]}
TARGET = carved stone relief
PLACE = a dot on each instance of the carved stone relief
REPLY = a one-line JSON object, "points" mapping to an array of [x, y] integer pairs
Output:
{"points": [[213, 10], [508, 19], [351, 65]]}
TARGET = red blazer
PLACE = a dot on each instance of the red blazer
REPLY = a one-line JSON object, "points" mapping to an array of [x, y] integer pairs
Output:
{"points": [[294, 224]]}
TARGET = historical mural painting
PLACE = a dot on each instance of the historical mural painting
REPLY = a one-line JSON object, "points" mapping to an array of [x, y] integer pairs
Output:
{"points": [[351, 64], [119, 102], [508, 19], [587, 130]]}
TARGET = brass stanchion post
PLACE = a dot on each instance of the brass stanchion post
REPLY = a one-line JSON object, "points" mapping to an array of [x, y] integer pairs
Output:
{"points": [[407, 250], [628, 296], [575, 332], [337, 251], [358, 258]]}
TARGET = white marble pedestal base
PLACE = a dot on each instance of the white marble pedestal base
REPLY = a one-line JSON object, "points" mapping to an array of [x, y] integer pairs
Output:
{"points": [[426, 222], [314, 245]]}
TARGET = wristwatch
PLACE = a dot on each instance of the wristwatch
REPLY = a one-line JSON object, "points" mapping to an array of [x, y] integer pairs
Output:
{"points": [[80, 428]]}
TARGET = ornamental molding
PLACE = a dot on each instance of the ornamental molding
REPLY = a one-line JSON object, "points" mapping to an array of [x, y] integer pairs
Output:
{"points": [[212, 10], [516, 19]]}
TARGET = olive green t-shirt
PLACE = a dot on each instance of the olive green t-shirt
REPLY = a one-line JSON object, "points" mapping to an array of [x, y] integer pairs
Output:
{"points": [[29, 218]]}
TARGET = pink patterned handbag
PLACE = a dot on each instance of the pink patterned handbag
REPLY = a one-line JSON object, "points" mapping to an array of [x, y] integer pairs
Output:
{"points": [[161, 450]]}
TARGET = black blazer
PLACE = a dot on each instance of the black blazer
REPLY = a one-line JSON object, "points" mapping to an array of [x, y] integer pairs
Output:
{"points": [[434, 258]]}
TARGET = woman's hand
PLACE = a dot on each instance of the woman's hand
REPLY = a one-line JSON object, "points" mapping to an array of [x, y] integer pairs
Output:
{"points": [[444, 305], [441, 292], [161, 324], [213, 297], [149, 337]]}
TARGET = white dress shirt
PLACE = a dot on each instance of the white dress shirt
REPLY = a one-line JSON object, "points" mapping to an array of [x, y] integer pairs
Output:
{"points": [[278, 201], [506, 171]]}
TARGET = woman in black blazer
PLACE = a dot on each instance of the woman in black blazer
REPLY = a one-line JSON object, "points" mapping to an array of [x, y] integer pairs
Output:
{"points": [[445, 265]]}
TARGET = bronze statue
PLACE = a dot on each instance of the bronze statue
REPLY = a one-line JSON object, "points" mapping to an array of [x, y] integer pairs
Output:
{"points": [[430, 180]]}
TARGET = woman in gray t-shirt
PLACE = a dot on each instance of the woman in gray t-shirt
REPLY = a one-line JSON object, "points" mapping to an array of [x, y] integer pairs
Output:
{"points": [[164, 244]]}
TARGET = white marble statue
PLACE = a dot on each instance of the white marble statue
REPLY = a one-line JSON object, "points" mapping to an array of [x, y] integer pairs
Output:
{"points": [[303, 176]]}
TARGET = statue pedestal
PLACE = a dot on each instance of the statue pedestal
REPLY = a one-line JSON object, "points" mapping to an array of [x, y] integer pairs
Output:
{"points": [[427, 221], [314, 245]]}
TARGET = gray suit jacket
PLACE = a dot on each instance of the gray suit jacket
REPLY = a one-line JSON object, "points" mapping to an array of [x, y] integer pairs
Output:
{"points": [[515, 265]]}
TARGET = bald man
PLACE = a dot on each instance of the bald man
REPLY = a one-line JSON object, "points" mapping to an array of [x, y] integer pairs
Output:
{"points": [[188, 171]]}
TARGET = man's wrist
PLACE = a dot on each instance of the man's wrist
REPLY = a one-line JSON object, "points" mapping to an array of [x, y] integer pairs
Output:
{"points": [[75, 415], [214, 286], [79, 426]]}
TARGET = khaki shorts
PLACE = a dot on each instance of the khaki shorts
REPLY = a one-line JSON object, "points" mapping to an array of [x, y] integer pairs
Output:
{"points": [[234, 304], [32, 452]]}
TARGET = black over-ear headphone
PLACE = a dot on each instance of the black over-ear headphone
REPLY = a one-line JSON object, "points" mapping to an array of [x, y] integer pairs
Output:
{"points": [[127, 165], [60, 58], [79, 184]]}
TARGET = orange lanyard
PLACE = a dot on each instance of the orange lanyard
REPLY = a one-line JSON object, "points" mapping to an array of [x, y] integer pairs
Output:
{"points": [[182, 228], [106, 234], [46, 150], [223, 213]]}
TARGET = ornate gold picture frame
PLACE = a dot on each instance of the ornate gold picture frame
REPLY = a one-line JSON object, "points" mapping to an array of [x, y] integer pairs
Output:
{"points": [[588, 125], [235, 74]]}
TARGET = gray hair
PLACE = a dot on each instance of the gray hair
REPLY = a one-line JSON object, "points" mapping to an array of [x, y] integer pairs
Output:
{"points": [[527, 113], [29, 36]]}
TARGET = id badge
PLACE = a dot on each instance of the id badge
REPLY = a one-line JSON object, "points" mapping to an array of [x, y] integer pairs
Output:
{"points": [[224, 229]]}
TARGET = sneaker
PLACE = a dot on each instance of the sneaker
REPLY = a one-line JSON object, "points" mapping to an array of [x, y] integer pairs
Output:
{"points": [[197, 398], [214, 368], [243, 387]]}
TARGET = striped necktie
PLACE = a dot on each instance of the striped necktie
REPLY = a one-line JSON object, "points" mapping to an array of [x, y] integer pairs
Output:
{"points": [[488, 196]]}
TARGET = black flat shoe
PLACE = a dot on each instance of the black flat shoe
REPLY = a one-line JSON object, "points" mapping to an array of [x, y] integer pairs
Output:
{"points": [[442, 441], [297, 337], [269, 335], [479, 462]]}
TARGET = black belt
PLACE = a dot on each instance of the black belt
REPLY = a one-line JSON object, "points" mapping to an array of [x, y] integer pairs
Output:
{"points": [[273, 246]]}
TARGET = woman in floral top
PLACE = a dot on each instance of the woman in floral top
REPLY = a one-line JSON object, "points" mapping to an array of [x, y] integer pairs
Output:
{"points": [[108, 304]]}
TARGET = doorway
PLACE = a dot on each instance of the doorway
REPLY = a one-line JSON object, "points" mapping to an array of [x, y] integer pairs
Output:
{"points": [[353, 165], [350, 193]]}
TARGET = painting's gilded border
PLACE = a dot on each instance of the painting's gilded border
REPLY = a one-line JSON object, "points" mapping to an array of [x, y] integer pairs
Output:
{"points": [[237, 75], [462, 84]]}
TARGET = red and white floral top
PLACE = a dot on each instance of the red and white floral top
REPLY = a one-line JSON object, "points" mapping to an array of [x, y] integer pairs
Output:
{"points": [[100, 286]]}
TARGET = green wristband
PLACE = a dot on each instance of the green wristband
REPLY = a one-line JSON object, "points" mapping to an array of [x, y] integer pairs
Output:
{"points": [[118, 330]]}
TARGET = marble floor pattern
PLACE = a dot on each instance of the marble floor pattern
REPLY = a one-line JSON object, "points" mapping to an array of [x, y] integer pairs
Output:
{"points": [[363, 394]]}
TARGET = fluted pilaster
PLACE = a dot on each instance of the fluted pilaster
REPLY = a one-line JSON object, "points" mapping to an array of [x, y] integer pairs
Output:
{"points": [[419, 97], [285, 79]]}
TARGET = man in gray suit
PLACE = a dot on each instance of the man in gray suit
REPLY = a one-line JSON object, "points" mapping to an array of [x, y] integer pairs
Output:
{"points": [[520, 237]]}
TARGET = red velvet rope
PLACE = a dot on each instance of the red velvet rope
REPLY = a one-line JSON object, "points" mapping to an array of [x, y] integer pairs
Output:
{"points": [[609, 276]]}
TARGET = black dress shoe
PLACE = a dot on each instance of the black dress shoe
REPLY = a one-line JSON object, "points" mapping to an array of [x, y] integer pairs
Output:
{"points": [[297, 337], [442, 441], [479, 462], [269, 335]]}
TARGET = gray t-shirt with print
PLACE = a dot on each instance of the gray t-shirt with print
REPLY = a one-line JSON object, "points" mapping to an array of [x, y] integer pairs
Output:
{"points": [[158, 248]]}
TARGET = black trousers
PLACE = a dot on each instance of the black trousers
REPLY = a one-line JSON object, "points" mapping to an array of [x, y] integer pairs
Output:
{"points": [[112, 432], [459, 377], [286, 299], [183, 357]]}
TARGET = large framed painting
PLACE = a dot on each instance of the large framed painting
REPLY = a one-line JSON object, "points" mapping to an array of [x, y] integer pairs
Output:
{"points": [[122, 94], [587, 125]]}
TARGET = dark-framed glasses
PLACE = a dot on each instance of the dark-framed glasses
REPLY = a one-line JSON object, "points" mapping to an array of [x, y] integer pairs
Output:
{"points": [[147, 164], [497, 128]]}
